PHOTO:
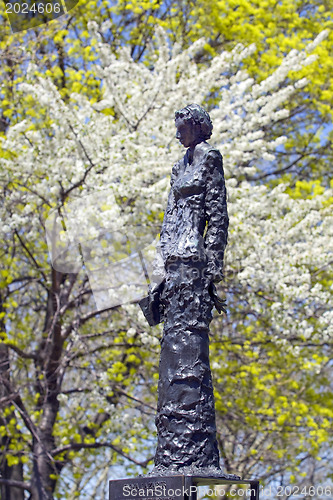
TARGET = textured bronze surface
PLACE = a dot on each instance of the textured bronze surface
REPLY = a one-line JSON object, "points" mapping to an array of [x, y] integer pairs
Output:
{"points": [[193, 239]]}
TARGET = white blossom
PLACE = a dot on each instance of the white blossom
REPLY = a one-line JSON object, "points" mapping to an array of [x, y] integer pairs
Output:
{"points": [[276, 243]]}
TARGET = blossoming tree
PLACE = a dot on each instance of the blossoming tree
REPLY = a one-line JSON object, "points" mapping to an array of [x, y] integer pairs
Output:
{"points": [[79, 384]]}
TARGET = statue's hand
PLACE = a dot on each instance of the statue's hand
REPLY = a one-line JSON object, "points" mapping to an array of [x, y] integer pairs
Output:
{"points": [[219, 303]]}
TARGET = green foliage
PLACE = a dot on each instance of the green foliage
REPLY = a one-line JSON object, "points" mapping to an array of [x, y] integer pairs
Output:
{"points": [[272, 395]]}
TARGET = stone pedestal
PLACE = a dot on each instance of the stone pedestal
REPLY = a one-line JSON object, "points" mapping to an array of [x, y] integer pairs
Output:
{"points": [[180, 487]]}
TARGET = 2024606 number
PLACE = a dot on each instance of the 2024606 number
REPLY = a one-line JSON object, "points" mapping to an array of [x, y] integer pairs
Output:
{"points": [[36, 8]]}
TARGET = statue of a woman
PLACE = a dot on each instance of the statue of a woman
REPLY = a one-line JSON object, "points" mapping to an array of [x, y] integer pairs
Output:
{"points": [[193, 239]]}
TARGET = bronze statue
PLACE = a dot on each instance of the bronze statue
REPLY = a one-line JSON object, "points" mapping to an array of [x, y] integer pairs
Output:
{"points": [[193, 239]]}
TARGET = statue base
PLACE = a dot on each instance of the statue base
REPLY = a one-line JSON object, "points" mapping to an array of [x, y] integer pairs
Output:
{"points": [[181, 487]]}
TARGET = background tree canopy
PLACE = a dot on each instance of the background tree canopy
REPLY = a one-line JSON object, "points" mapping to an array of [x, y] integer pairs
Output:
{"points": [[87, 107]]}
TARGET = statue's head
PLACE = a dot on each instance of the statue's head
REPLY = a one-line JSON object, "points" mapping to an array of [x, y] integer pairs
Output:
{"points": [[193, 125]]}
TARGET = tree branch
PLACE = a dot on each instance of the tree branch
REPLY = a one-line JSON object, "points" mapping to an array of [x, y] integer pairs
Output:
{"points": [[77, 323], [22, 354], [81, 446], [15, 484], [30, 254], [91, 166]]}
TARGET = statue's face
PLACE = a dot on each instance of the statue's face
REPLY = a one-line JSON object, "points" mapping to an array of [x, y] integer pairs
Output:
{"points": [[186, 132]]}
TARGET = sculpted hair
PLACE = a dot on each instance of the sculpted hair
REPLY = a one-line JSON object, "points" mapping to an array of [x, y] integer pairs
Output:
{"points": [[198, 116]]}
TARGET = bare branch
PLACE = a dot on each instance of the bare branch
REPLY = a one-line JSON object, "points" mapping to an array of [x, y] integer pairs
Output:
{"points": [[22, 354], [30, 254], [16, 484], [91, 166], [80, 446]]}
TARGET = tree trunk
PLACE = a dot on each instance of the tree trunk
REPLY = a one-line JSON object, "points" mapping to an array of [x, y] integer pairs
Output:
{"points": [[44, 467], [15, 472]]}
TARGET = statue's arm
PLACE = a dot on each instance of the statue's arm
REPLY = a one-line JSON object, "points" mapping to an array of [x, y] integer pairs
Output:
{"points": [[169, 220], [216, 215]]}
